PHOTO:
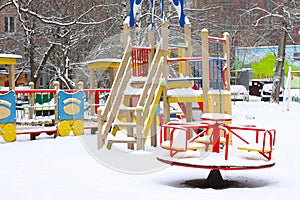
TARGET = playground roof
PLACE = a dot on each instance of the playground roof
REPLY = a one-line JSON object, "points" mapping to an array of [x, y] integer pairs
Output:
{"points": [[9, 58], [104, 63]]}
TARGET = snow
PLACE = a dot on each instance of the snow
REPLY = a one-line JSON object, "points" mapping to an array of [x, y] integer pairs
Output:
{"points": [[4, 55], [110, 60], [184, 92], [69, 167]]}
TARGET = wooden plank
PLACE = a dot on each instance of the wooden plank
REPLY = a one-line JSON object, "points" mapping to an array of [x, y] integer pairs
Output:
{"points": [[185, 99], [111, 141]]}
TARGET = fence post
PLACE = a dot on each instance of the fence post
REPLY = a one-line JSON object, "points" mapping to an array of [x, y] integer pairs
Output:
{"points": [[31, 101], [205, 68], [80, 85], [56, 87]]}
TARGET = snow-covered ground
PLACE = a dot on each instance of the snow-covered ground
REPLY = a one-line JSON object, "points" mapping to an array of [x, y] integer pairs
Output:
{"points": [[64, 168]]}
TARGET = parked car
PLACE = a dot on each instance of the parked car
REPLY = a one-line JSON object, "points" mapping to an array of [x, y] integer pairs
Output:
{"points": [[239, 93], [266, 92]]}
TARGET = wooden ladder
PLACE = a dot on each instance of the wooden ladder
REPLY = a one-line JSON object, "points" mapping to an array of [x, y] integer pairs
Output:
{"points": [[125, 122]]}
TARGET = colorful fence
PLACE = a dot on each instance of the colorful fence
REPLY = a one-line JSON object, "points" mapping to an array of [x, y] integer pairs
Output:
{"points": [[48, 111]]}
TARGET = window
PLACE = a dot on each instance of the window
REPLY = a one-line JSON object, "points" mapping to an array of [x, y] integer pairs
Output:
{"points": [[9, 24], [41, 81]]}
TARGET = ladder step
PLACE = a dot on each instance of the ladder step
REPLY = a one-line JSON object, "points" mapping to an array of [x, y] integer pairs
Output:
{"points": [[124, 124], [131, 91], [127, 108], [123, 140], [136, 79], [138, 82], [129, 140]]}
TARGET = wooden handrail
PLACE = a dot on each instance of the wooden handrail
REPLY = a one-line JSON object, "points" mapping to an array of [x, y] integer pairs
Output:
{"points": [[116, 83]]}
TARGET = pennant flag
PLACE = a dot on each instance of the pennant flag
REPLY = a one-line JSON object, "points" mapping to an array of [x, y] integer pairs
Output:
{"points": [[134, 7], [179, 8], [162, 9], [152, 12]]}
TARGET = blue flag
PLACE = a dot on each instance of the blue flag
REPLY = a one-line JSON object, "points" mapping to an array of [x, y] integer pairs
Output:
{"points": [[179, 5], [134, 6]]}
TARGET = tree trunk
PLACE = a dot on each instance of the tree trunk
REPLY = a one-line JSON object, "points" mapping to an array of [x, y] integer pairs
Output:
{"points": [[279, 68]]}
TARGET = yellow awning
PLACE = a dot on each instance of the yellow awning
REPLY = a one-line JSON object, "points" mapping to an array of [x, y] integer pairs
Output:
{"points": [[9, 59]]}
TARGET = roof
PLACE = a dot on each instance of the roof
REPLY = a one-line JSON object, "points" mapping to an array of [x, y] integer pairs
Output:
{"points": [[9, 58], [104, 63]]}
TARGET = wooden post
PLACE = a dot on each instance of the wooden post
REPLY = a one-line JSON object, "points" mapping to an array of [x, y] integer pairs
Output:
{"points": [[154, 132], [129, 118], [187, 68], [31, 101], [56, 87], [92, 95], [165, 45], [151, 43], [11, 78], [92, 78], [100, 139], [80, 85], [205, 68], [188, 51], [112, 75], [139, 128], [226, 50], [126, 33]]}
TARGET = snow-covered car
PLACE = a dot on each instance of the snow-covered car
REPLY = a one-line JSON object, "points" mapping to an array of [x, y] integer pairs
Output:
{"points": [[266, 92], [239, 93]]}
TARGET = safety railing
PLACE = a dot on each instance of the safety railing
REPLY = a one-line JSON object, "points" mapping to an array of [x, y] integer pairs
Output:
{"points": [[181, 137], [140, 61], [263, 142], [37, 106]]}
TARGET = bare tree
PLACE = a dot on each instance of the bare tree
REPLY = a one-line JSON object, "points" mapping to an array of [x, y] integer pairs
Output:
{"points": [[59, 34], [286, 16]]}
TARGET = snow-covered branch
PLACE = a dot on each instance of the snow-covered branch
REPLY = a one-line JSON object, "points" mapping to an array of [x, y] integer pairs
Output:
{"points": [[70, 23], [5, 5], [267, 14]]}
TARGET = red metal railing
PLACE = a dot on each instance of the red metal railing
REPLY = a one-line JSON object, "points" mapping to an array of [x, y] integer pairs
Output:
{"points": [[263, 137], [217, 39], [140, 61]]}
